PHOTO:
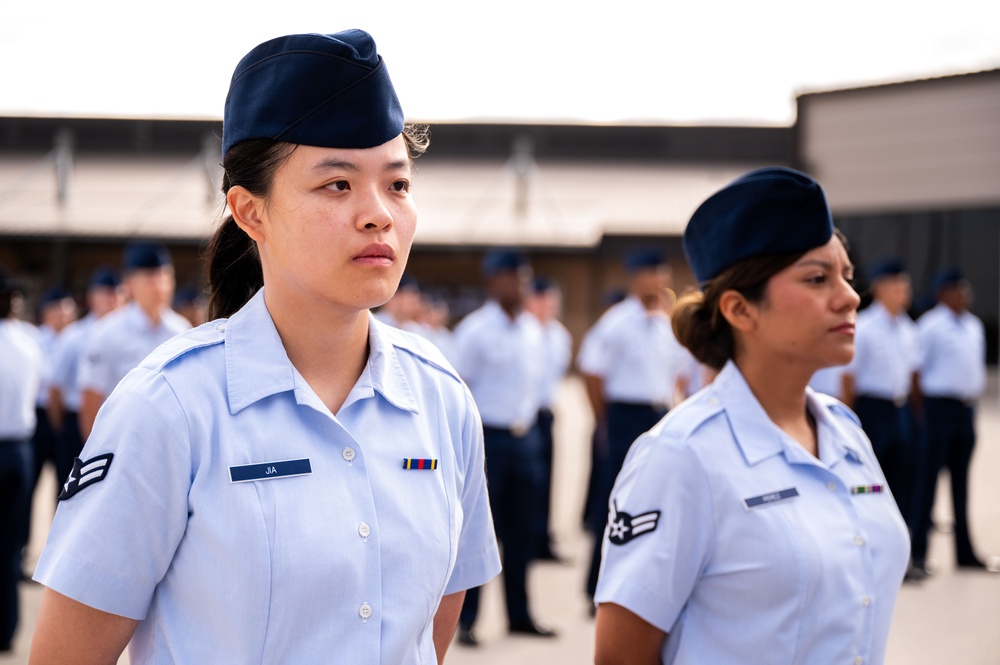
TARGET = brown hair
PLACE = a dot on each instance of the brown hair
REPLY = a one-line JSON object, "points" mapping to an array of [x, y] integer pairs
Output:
{"points": [[233, 265]]}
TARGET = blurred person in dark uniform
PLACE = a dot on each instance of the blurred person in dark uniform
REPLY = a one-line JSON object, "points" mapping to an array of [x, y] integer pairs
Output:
{"points": [[499, 352], [545, 303], [21, 367], [631, 366], [952, 379], [121, 340], [878, 383], [104, 295]]}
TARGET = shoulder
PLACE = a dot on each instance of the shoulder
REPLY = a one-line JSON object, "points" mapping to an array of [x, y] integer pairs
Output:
{"points": [[417, 348], [689, 422], [185, 343], [175, 321], [837, 409]]}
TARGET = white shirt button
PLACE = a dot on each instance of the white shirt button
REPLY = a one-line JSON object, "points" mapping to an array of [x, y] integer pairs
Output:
{"points": [[365, 611], [832, 486], [221, 327], [364, 530], [349, 454], [859, 541], [866, 601]]}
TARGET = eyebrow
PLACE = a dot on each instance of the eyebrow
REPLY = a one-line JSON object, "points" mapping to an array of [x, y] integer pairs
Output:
{"points": [[334, 163], [826, 265]]}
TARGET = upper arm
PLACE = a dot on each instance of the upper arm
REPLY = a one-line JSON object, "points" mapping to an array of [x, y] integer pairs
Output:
{"points": [[623, 637], [68, 631]]}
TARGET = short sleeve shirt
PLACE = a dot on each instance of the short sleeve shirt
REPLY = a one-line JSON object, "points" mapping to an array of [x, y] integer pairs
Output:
{"points": [[886, 354], [243, 522], [730, 537], [636, 353], [953, 354], [120, 341]]}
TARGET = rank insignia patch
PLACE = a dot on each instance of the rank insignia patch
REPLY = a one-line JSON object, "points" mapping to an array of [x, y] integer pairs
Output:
{"points": [[85, 474], [623, 527]]}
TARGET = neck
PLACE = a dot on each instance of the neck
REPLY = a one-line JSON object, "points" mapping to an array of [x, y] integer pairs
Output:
{"points": [[327, 345], [781, 390], [154, 314]]}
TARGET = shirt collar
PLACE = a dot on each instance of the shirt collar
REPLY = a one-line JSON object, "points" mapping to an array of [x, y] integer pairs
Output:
{"points": [[258, 367], [759, 438]]}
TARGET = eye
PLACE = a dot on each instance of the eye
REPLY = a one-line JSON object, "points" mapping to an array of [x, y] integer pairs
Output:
{"points": [[338, 186], [818, 278], [401, 186]]}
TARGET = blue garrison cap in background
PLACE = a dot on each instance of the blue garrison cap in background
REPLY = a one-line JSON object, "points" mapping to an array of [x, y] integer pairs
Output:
{"points": [[331, 91], [54, 295], [949, 276], [145, 256], [773, 210], [502, 260], [644, 257], [104, 277], [885, 268]]}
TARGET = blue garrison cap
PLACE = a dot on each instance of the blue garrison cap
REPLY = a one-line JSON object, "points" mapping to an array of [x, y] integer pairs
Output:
{"points": [[331, 91], [773, 210], [541, 284], [54, 295], [501, 260], [145, 256], [104, 277], [885, 268], [644, 257], [946, 277]]}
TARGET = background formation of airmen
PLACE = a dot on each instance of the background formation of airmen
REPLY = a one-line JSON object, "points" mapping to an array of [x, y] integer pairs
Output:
{"points": [[914, 385]]}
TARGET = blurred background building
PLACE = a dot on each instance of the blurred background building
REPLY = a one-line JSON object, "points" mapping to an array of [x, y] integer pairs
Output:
{"points": [[912, 170]]}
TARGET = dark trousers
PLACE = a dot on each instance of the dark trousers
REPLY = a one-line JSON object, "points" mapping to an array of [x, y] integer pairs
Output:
{"points": [[15, 482], [513, 469], [544, 510], [44, 443], [69, 444], [949, 427], [625, 423], [889, 428]]}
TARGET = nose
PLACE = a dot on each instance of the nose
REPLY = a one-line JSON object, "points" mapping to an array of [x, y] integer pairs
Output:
{"points": [[373, 214], [847, 297]]}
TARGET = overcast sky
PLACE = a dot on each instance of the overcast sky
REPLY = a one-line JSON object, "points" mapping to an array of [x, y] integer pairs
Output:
{"points": [[658, 61]]}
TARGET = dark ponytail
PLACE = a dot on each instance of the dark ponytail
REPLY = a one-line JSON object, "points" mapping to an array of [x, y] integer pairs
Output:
{"points": [[234, 271]]}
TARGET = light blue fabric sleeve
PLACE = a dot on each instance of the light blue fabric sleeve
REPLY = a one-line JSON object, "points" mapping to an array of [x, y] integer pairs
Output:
{"points": [[654, 573], [478, 559], [111, 543]]}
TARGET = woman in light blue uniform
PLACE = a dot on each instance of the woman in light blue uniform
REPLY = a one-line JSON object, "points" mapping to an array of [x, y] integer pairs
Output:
{"points": [[753, 524], [296, 482]]}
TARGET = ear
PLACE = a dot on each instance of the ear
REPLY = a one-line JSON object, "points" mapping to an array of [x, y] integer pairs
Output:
{"points": [[740, 313], [246, 211]]}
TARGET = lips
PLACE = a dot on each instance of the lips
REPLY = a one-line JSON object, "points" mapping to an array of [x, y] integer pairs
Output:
{"points": [[847, 328], [376, 254]]}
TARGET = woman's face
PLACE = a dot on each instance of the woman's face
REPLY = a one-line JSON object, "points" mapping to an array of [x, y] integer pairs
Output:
{"points": [[809, 309], [338, 224]]}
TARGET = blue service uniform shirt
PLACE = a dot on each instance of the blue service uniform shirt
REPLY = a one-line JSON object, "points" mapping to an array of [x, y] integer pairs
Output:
{"points": [[67, 355], [21, 368], [953, 354], [636, 354], [344, 564], [119, 341], [502, 360], [807, 574], [886, 354]]}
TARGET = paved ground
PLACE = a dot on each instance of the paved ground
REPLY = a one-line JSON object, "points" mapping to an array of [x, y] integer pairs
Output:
{"points": [[952, 617]]}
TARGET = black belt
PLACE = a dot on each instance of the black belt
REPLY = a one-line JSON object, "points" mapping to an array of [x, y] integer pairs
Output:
{"points": [[24, 440], [959, 400], [652, 406]]}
